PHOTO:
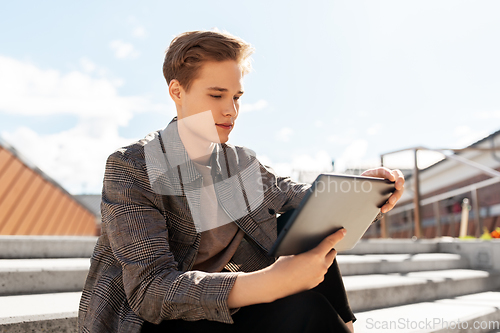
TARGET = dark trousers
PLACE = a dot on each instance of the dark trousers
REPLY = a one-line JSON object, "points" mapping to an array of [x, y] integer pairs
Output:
{"points": [[322, 309]]}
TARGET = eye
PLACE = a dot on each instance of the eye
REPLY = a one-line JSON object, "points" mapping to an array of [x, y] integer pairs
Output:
{"points": [[236, 98], [216, 96]]}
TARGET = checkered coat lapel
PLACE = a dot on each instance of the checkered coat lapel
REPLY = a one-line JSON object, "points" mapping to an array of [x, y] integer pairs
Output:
{"points": [[140, 268]]}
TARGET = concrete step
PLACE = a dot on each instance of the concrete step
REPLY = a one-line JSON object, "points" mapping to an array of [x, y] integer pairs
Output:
{"points": [[482, 254], [375, 291], [379, 275], [478, 312], [395, 246], [398, 263], [33, 276], [52, 313], [25, 247], [57, 312]]}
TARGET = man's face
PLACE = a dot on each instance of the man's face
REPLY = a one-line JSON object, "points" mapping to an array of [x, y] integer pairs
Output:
{"points": [[211, 106]]}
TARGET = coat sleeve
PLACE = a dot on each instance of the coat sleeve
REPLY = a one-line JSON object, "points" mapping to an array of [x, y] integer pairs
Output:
{"points": [[156, 290]]}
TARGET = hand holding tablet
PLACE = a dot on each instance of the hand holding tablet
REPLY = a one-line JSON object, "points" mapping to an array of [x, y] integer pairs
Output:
{"points": [[333, 202]]}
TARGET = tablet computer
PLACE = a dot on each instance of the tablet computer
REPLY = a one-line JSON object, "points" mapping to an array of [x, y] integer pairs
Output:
{"points": [[333, 202]]}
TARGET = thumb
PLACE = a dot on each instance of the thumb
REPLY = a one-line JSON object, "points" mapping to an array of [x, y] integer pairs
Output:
{"points": [[329, 242]]}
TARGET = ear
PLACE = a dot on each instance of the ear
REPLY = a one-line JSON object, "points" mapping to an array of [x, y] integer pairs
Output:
{"points": [[175, 91]]}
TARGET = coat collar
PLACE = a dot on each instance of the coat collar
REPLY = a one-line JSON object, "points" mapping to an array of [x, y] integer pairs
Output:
{"points": [[223, 161], [232, 173]]}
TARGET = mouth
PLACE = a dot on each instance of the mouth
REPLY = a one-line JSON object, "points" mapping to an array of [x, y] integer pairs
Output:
{"points": [[225, 126]]}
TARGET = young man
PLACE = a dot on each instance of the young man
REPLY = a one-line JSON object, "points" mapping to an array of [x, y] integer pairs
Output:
{"points": [[187, 220]]}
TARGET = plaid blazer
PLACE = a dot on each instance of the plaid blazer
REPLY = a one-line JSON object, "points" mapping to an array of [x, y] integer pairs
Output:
{"points": [[141, 265]]}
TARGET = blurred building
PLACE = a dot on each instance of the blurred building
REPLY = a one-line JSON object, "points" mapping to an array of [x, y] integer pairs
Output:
{"points": [[443, 186], [92, 202], [31, 203]]}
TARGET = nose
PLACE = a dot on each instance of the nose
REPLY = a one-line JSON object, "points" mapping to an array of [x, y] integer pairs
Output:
{"points": [[232, 109]]}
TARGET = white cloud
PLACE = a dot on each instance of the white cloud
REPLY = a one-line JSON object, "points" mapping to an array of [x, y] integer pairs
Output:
{"points": [[28, 90], [343, 138], [139, 31], [74, 157], [87, 65], [303, 167], [123, 50], [284, 169], [321, 161], [284, 134], [352, 157], [259, 105]]}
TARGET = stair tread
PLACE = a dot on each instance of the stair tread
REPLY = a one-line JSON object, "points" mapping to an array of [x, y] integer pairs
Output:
{"points": [[25, 265], [360, 258], [21, 247], [15, 309], [413, 274], [376, 245], [351, 264], [370, 281], [432, 316]]}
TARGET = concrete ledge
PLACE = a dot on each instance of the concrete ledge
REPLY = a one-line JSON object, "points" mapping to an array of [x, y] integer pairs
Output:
{"points": [[366, 292], [62, 325], [394, 246], [38, 308], [399, 263], [20, 247], [33, 276], [438, 316], [482, 254]]}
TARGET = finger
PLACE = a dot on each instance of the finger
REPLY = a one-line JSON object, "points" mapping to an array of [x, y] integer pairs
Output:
{"points": [[391, 202], [330, 257], [381, 172], [329, 242], [399, 179]]}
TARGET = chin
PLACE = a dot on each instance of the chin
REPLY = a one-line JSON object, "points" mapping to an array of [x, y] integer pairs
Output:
{"points": [[223, 137]]}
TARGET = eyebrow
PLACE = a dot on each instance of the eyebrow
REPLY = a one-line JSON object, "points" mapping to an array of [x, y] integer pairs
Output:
{"points": [[223, 89]]}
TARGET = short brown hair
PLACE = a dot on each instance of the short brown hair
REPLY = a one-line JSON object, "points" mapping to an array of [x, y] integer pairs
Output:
{"points": [[187, 52]]}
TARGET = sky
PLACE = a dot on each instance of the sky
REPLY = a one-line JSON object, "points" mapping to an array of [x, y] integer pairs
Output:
{"points": [[342, 80]]}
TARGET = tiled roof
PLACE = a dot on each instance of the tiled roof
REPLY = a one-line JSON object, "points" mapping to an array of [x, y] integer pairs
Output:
{"points": [[32, 203], [91, 201]]}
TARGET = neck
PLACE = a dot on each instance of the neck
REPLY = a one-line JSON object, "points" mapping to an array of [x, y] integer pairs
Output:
{"points": [[198, 149]]}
